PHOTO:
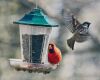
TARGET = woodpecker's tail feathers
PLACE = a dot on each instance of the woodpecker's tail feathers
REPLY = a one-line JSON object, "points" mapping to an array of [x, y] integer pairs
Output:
{"points": [[71, 43]]}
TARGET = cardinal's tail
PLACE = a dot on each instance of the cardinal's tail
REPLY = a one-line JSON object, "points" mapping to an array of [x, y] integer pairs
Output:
{"points": [[71, 43]]}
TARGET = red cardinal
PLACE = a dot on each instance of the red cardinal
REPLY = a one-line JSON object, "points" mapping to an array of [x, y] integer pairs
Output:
{"points": [[54, 54]]}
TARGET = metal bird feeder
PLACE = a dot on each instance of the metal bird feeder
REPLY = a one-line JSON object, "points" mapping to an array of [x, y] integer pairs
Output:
{"points": [[35, 28]]}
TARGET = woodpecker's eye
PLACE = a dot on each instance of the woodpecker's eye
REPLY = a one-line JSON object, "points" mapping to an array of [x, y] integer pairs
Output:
{"points": [[85, 25]]}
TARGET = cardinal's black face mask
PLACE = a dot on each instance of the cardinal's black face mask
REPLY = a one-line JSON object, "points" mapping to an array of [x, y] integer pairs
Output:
{"points": [[51, 50]]}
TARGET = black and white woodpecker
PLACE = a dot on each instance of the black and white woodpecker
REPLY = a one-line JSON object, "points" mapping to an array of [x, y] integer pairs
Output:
{"points": [[80, 31]]}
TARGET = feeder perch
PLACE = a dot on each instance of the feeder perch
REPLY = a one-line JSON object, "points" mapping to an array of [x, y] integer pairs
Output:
{"points": [[35, 28]]}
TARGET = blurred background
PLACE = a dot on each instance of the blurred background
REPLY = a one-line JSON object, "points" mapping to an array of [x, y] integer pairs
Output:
{"points": [[81, 64]]}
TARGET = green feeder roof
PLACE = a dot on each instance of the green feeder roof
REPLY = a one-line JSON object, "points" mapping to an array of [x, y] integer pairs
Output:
{"points": [[37, 18]]}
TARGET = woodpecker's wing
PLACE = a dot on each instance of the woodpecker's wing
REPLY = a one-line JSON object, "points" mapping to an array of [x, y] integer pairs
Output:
{"points": [[68, 23], [71, 23], [75, 22]]}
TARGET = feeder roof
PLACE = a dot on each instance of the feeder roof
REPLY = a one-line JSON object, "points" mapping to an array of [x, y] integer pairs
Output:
{"points": [[37, 18]]}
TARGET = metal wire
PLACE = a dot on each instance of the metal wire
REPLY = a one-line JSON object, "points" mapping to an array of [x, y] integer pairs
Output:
{"points": [[36, 4], [30, 42]]}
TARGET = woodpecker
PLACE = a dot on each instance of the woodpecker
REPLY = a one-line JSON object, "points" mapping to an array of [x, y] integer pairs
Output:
{"points": [[80, 32]]}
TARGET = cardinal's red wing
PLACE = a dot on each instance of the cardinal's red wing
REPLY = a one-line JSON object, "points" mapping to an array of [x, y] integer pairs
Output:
{"points": [[56, 57]]}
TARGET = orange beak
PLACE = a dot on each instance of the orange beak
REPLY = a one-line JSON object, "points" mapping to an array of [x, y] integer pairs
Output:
{"points": [[50, 46]]}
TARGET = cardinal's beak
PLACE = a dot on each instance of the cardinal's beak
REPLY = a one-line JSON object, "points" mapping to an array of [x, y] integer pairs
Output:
{"points": [[50, 46]]}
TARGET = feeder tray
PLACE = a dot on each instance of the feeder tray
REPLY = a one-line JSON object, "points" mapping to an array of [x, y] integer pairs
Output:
{"points": [[21, 65]]}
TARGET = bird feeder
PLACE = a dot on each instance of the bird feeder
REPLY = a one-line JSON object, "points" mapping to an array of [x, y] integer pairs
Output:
{"points": [[35, 29]]}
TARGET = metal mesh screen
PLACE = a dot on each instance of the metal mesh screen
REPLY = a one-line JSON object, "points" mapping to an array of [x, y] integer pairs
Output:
{"points": [[33, 47]]}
